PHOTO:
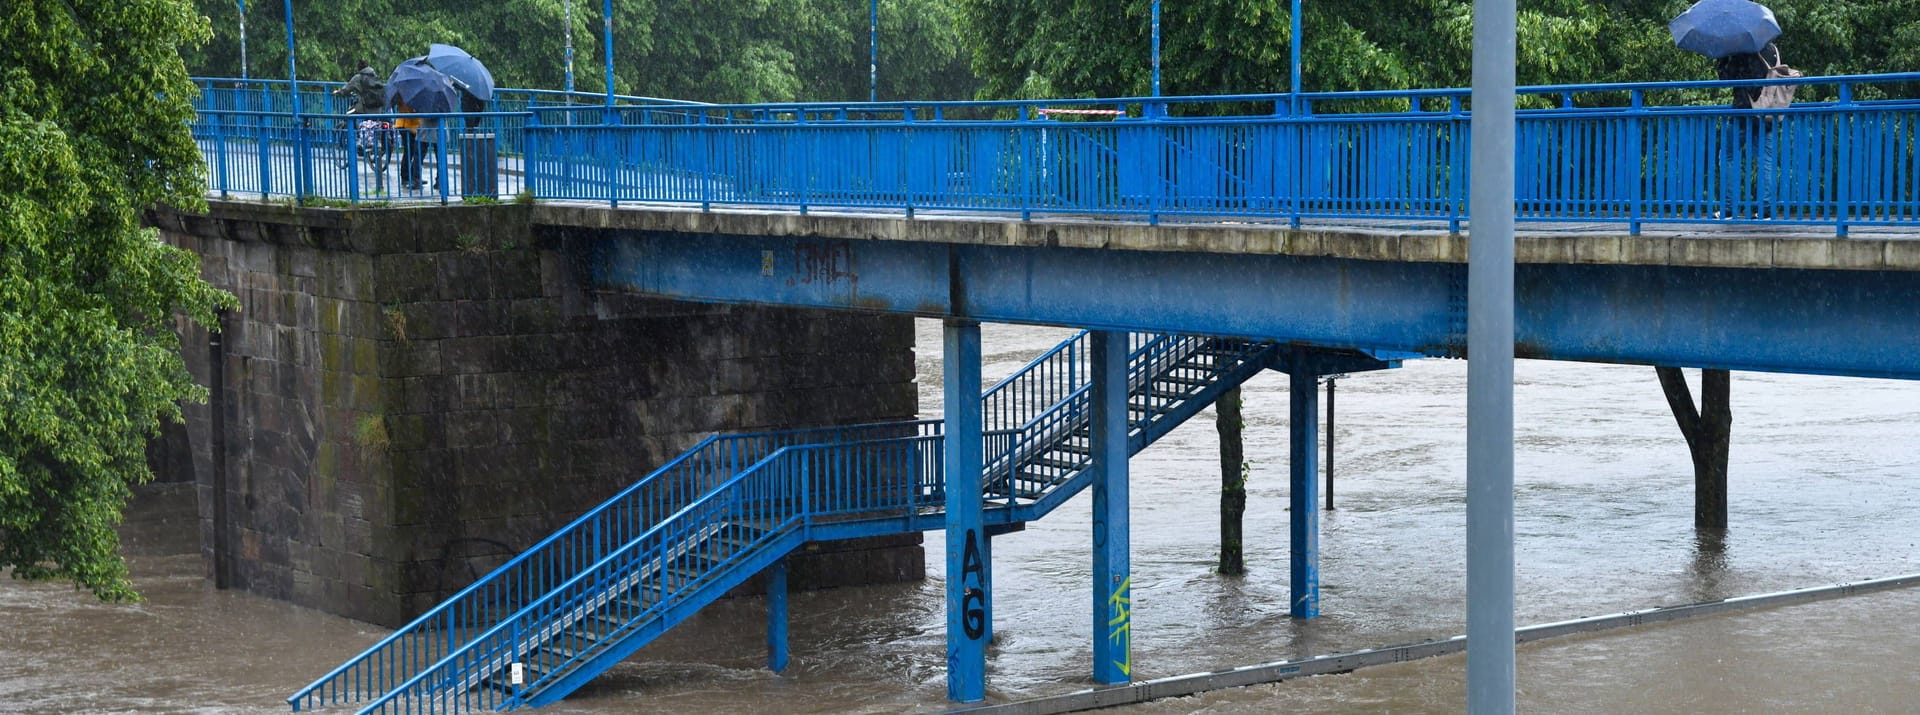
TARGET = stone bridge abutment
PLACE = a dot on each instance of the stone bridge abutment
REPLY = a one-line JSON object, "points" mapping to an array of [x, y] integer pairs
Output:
{"points": [[407, 397]]}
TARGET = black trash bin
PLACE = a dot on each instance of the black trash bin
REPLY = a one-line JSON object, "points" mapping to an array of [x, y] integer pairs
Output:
{"points": [[479, 166]]}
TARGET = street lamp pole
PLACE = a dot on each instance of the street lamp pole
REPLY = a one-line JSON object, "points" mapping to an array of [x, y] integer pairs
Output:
{"points": [[1293, 87], [606, 31], [243, 40], [1490, 654], [569, 10], [873, 51], [1156, 48], [293, 74]]}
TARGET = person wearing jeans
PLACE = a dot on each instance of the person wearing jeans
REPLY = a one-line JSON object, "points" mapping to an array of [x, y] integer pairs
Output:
{"points": [[1748, 136]]}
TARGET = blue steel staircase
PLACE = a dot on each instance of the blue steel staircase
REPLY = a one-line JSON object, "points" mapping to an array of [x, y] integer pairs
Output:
{"points": [[618, 577]]}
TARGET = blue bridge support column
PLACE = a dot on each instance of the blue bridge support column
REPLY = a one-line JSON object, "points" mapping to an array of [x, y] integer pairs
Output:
{"points": [[777, 616], [1112, 563], [1303, 465], [969, 604]]}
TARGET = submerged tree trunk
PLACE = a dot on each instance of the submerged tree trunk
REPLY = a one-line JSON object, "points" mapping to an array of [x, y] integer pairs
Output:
{"points": [[1708, 430], [1233, 481]]}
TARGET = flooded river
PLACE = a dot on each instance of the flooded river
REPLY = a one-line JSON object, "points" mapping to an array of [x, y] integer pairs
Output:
{"points": [[1825, 487]]}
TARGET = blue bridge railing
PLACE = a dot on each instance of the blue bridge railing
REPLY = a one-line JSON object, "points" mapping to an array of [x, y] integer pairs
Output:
{"points": [[1619, 154]]}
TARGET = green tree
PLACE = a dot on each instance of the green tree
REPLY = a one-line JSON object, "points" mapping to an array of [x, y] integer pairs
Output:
{"points": [[1102, 47], [94, 107], [743, 51]]}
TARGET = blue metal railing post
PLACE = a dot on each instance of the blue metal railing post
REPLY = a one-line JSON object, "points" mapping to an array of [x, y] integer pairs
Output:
{"points": [[1155, 144], [704, 151], [906, 159], [263, 150], [220, 152], [440, 172], [968, 604], [1112, 560], [1459, 168], [1635, 161], [1023, 136], [1849, 164], [803, 168], [353, 164]]}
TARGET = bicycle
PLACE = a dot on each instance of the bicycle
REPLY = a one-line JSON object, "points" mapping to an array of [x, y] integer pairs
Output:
{"points": [[372, 139]]}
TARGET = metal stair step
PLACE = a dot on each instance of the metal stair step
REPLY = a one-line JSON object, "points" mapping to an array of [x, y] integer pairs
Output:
{"points": [[1055, 463], [1188, 381], [738, 534]]}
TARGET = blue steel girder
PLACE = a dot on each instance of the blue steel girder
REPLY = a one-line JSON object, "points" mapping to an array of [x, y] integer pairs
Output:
{"points": [[1853, 323]]}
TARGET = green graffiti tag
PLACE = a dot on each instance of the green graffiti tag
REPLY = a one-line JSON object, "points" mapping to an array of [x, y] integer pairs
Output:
{"points": [[1120, 625]]}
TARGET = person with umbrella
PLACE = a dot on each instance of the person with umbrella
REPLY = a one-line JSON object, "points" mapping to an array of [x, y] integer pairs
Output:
{"points": [[467, 74], [415, 87], [1738, 35]]}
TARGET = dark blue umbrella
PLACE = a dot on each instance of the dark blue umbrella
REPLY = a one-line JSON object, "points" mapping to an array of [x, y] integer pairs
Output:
{"points": [[467, 73], [422, 88], [1718, 28]]}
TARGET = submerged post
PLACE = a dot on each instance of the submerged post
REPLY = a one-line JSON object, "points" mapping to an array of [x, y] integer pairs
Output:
{"points": [[1333, 385], [1233, 482], [1303, 514], [968, 604], [1112, 575], [1490, 667], [777, 616]]}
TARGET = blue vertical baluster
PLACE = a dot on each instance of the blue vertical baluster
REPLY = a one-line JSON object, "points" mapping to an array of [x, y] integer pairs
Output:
{"points": [[1634, 160], [219, 121], [440, 158], [1843, 198]]}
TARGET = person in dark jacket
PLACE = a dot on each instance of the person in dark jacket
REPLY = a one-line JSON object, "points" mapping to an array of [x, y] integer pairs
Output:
{"points": [[366, 89], [1748, 136]]}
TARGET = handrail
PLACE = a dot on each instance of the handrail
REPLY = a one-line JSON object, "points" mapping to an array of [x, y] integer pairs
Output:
{"points": [[623, 556], [441, 611], [619, 554], [1434, 93]]}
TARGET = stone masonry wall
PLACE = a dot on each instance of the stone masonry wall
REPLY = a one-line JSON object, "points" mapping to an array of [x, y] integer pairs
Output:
{"points": [[415, 395]]}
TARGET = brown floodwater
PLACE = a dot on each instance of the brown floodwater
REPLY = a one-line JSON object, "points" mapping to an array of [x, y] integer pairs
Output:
{"points": [[1825, 487]]}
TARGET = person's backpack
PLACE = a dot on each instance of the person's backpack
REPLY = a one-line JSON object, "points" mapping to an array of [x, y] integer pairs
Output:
{"points": [[1778, 96]]}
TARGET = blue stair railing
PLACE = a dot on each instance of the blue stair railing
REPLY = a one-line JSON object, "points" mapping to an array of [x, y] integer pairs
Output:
{"points": [[636, 593], [615, 579], [454, 622]]}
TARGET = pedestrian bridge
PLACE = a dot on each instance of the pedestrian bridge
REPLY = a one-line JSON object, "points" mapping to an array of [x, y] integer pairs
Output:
{"points": [[1629, 155], [1201, 240]]}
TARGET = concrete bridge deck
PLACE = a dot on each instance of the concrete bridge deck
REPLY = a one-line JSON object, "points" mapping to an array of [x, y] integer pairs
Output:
{"points": [[1701, 245]]}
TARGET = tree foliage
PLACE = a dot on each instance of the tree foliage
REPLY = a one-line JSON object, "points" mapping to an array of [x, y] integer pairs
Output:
{"points": [[94, 107], [736, 51], [1102, 47]]}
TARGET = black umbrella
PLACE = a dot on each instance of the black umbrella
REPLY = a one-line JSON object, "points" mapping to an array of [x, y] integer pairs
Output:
{"points": [[422, 88], [467, 73]]}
